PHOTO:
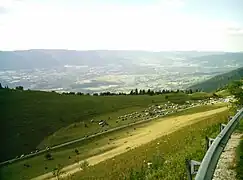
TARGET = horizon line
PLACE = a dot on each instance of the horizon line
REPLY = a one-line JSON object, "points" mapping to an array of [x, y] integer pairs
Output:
{"points": [[60, 49]]}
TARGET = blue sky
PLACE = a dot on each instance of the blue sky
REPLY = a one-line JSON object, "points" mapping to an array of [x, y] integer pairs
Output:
{"points": [[156, 25]]}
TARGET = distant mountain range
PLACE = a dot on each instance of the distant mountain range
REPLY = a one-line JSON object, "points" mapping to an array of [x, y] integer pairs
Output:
{"points": [[219, 81], [40, 58]]}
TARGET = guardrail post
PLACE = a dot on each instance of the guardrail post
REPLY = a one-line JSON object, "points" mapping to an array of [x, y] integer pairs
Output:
{"points": [[229, 118], [191, 168], [222, 126], [188, 169], [209, 142]]}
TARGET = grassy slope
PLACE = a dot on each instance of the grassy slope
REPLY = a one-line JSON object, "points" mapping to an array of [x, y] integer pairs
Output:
{"points": [[77, 130], [223, 93], [219, 81], [86, 149], [27, 117], [174, 148], [200, 95]]}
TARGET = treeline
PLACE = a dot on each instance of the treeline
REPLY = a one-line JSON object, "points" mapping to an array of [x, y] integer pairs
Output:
{"points": [[107, 93], [159, 92], [135, 92]]}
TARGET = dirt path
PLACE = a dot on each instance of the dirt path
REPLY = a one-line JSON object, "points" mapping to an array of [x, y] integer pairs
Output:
{"points": [[223, 170], [137, 138]]}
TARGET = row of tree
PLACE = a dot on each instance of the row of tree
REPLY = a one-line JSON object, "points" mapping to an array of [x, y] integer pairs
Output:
{"points": [[164, 91], [135, 92], [132, 92], [17, 87]]}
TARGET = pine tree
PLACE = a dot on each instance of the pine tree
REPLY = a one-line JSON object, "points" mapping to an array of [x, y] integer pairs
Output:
{"points": [[136, 91], [131, 93]]}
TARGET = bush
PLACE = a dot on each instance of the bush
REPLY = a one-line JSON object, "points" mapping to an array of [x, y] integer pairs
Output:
{"points": [[84, 165], [48, 156], [76, 151]]}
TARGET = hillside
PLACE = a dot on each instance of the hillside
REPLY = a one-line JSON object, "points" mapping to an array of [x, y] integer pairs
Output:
{"points": [[219, 81], [29, 116]]}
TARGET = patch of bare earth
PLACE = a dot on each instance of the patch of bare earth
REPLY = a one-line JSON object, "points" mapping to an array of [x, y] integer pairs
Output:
{"points": [[138, 137], [225, 167]]}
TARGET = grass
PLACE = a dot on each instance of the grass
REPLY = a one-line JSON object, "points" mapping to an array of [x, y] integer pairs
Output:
{"points": [[28, 117], [86, 149], [223, 93], [77, 130], [201, 95], [188, 142]]}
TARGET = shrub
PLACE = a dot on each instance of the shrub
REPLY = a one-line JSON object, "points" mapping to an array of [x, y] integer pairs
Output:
{"points": [[48, 156], [84, 165], [76, 151]]}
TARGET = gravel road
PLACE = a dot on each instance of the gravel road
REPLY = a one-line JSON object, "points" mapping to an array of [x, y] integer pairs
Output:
{"points": [[224, 170]]}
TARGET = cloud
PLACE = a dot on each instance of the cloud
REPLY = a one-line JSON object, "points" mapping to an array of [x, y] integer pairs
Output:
{"points": [[173, 3], [8, 4], [3, 10], [157, 26], [236, 31]]}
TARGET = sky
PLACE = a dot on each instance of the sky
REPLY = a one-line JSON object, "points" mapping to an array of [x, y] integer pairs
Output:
{"points": [[153, 25]]}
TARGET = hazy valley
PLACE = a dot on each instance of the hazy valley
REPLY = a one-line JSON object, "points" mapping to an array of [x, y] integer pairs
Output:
{"points": [[96, 71]]}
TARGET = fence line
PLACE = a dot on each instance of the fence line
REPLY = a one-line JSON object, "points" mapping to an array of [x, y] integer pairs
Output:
{"points": [[215, 148]]}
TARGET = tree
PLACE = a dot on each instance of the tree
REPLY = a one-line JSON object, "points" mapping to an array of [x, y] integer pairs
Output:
{"points": [[131, 93], [48, 156], [151, 93], [144, 92], [148, 92], [235, 88], [136, 91], [76, 151], [80, 94], [159, 92], [1, 86]]}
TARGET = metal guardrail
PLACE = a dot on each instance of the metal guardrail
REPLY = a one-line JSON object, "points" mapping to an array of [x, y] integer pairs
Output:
{"points": [[210, 160]]}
